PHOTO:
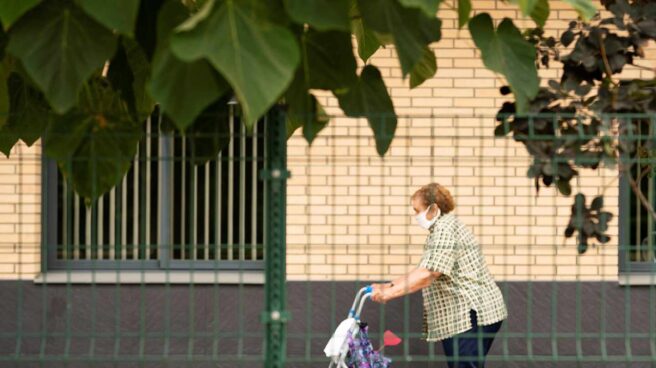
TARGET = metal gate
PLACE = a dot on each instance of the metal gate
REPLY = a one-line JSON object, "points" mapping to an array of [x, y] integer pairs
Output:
{"points": [[172, 227]]}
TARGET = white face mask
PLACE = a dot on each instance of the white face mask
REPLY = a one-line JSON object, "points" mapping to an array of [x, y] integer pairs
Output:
{"points": [[423, 221]]}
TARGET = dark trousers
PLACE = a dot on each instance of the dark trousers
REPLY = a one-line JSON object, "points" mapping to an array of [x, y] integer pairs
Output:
{"points": [[468, 349]]}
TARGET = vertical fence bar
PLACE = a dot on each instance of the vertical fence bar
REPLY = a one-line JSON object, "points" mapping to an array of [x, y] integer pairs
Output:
{"points": [[231, 183], [242, 193], [64, 225], [183, 198], [165, 201], [112, 224], [135, 205], [92, 228], [275, 315], [118, 220], [101, 227], [219, 194], [76, 227], [638, 207], [68, 231], [143, 158], [206, 213], [149, 157], [87, 232], [124, 218], [193, 214], [650, 195], [254, 197]]}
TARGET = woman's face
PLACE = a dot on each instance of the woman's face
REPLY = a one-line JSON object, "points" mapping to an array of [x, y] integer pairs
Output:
{"points": [[419, 207]]}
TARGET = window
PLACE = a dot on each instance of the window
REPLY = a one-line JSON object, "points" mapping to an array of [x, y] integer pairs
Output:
{"points": [[637, 227], [168, 212]]}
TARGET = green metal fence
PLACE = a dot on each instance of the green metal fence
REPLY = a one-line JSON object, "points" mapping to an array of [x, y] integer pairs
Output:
{"points": [[253, 257]]}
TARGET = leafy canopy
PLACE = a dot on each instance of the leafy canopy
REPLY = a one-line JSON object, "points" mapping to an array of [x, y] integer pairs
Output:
{"points": [[85, 74]]}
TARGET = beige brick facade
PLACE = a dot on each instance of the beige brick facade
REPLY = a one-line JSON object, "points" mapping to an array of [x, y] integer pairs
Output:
{"points": [[351, 207], [20, 213], [348, 210]]}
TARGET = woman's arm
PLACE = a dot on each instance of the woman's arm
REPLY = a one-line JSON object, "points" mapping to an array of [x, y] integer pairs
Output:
{"points": [[416, 280], [390, 284]]}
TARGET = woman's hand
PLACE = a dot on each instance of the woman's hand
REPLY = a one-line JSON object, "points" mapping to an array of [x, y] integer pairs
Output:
{"points": [[378, 295]]}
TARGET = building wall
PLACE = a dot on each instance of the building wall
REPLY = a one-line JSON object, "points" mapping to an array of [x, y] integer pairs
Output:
{"points": [[349, 210], [20, 213], [349, 214]]}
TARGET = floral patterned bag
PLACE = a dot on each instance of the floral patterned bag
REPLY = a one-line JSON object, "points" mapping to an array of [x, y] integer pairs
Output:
{"points": [[361, 353]]}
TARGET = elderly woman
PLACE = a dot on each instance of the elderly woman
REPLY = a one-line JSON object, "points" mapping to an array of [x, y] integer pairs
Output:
{"points": [[463, 306]]}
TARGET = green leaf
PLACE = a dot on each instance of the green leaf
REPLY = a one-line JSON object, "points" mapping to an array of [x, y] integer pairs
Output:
{"points": [[140, 66], [540, 12], [303, 109], [257, 58], [209, 133], [425, 69], [5, 71], [564, 187], [500, 131], [269, 11], [183, 89], [129, 72], [367, 41], [579, 203], [29, 114], [429, 7], [95, 142], [410, 28], [145, 31], [69, 47], [369, 98], [585, 8], [526, 6], [464, 10], [320, 120], [12, 10], [604, 218], [29, 110], [120, 15], [505, 51], [597, 203], [8, 138], [328, 59], [323, 15], [292, 126]]}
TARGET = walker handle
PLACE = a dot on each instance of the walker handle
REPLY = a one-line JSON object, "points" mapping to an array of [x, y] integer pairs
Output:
{"points": [[367, 290], [364, 297]]}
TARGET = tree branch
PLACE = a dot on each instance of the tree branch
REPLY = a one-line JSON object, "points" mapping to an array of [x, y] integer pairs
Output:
{"points": [[642, 67], [641, 197], [604, 57]]}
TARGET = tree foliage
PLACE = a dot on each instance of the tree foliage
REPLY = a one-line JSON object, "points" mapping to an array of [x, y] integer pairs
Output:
{"points": [[579, 120], [84, 75]]}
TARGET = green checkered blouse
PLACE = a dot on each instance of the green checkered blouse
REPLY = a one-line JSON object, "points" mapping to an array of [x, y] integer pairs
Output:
{"points": [[465, 284]]}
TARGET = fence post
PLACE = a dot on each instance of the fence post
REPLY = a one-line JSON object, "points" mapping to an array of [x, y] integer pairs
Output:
{"points": [[275, 174]]}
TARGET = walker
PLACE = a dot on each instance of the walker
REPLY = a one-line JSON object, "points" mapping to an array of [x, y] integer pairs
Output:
{"points": [[349, 330]]}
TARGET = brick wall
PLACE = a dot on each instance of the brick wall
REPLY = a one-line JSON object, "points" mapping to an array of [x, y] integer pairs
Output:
{"points": [[20, 213], [349, 211], [349, 214]]}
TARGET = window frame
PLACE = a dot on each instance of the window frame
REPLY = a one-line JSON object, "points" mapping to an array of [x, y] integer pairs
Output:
{"points": [[163, 262], [630, 272]]}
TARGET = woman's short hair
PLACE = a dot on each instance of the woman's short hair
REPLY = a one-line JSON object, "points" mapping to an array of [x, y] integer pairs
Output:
{"points": [[438, 194]]}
